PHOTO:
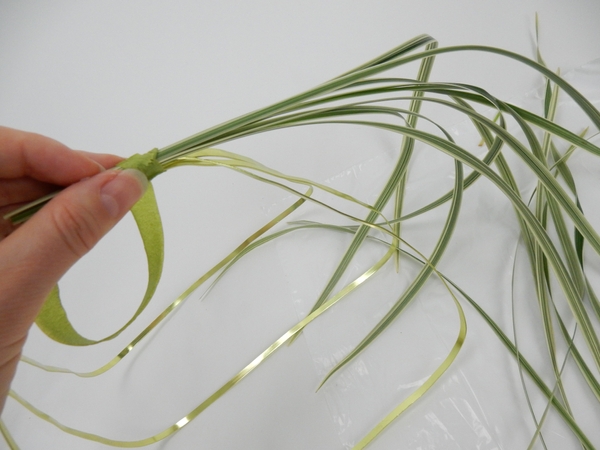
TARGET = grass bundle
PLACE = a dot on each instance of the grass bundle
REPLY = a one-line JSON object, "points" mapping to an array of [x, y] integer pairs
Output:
{"points": [[554, 229]]}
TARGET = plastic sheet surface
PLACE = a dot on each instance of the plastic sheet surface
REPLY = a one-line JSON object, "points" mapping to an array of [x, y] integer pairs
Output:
{"points": [[480, 402], [127, 77]]}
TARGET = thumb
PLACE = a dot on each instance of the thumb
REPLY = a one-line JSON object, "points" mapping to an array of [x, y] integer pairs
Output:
{"points": [[35, 256]]}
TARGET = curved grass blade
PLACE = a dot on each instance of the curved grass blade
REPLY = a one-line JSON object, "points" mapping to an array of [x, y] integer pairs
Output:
{"points": [[418, 282], [516, 343], [408, 143], [519, 357], [380, 64], [533, 224], [541, 274], [586, 106]]}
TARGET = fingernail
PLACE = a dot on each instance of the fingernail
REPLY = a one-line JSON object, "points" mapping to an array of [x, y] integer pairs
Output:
{"points": [[100, 166], [123, 191]]}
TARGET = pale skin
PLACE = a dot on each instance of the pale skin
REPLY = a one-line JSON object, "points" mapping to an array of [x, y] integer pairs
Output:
{"points": [[36, 254]]}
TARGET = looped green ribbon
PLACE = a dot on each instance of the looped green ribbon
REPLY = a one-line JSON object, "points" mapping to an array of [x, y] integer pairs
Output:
{"points": [[53, 319]]}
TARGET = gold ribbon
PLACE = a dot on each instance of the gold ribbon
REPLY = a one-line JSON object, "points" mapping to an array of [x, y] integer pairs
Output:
{"points": [[54, 322]]}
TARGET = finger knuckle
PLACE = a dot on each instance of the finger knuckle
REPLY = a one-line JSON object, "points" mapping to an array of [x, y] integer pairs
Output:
{"points": [[78, 231]]}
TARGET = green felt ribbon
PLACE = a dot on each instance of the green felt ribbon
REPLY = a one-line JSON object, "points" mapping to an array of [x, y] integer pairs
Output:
{"points": [[53, 319]]}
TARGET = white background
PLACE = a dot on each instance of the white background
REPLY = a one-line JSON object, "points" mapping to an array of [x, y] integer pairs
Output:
{"points": [[125, 77]]}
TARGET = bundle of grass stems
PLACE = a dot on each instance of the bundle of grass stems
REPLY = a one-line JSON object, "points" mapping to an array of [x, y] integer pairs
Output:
{"points": [[553, 228]]}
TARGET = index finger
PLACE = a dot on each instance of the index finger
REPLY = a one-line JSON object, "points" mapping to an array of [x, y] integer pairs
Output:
{"points": [[24, 154]]}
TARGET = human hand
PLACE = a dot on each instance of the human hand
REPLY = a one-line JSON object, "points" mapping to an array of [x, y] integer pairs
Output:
{"points": [[35, 255]]}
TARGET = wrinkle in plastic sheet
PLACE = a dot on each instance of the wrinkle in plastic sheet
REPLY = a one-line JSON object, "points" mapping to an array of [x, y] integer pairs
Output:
{"points": [[479, 402]]}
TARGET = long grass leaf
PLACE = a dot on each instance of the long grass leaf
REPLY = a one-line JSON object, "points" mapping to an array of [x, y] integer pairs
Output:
{"points": [[419, 281]]}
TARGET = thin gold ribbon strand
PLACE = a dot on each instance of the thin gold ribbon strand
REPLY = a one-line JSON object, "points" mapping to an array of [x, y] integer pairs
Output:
{"points": [[220, 392], [178, 301], [422, 390]]}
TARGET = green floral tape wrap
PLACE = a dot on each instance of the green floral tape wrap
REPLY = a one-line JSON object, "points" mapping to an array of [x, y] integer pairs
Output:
{"points": [[146, 163]]}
